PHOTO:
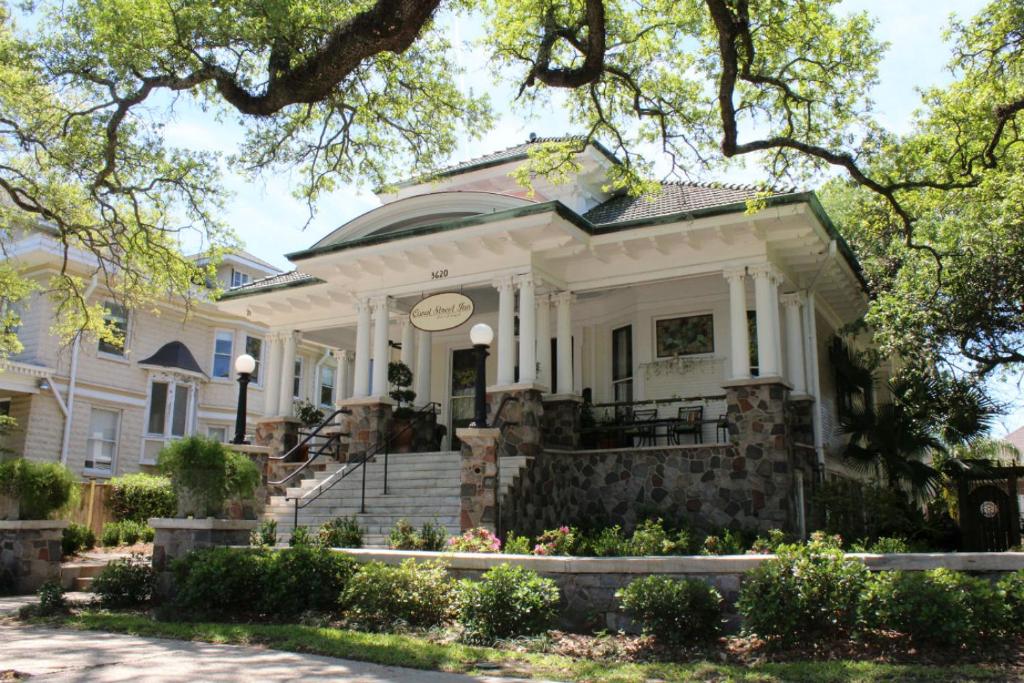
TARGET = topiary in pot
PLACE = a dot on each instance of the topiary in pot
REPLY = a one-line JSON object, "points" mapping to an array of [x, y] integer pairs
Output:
{"points": [[205, 474], [35, 490]]}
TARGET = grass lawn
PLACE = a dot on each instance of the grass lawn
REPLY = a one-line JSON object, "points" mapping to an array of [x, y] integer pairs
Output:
{"points": [[420, 653]]}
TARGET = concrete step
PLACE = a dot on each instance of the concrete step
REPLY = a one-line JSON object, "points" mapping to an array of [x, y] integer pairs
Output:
{"points": [[83, 584]]}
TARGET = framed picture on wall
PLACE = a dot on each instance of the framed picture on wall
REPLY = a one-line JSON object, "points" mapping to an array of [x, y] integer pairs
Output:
{"points": [[684, 336]]}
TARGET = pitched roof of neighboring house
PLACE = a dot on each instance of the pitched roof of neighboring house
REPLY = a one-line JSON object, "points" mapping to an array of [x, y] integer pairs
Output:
{"points": [[292, 278], [1016, 438], [243, 254], [675, 198], [176, 356], [513, 153]]}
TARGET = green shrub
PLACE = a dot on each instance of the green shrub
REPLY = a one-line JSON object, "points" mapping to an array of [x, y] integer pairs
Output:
{"points": [[856, 510], [304, 578], [125, 583], [41, 488], [265, 534], [673, 610], [729, 542], [508, 601], [766, 545], [76, 537], [205, 474], [138, 497], [342, 532], [51, 599], [806, 591], [431, 536], [379, 596], [560, 541], [882, 545], [940, 607], [1011, 590], [220, 582], [516, 545], [126, 532], [651, 538], [608, 542], [300, 537]]}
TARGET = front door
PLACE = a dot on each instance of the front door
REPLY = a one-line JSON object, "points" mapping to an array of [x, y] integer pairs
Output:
{"points": [[993, 516], [463, 384]]}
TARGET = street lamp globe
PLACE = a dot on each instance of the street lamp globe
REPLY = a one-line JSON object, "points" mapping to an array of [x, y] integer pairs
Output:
{"points": [[245, 364], [481, 334]]}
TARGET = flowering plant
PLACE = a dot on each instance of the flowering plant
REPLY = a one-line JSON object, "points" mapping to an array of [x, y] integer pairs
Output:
{"points": [[558, 541], [478, 540]]}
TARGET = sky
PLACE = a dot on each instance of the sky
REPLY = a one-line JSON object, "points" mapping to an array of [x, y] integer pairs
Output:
{"points": [[271, 222]]}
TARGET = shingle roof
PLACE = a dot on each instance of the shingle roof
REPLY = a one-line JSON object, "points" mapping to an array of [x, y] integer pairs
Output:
{"points": [[292, 278], [512, 153], [173, 355], [675, 197]]}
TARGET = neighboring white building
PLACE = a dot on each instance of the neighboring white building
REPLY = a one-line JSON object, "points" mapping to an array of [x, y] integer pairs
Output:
{"points": [[105, 410], [660, 297]]}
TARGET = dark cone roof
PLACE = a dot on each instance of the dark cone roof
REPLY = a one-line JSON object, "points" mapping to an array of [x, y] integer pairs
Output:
{"points": [[174, 355]]}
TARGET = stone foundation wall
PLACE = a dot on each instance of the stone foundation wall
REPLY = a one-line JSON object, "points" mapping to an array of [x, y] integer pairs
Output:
{"points": [[30, 553], [520, 420], [278, 434], [176, 538], [562, 424], [709, 486], [588, 584]]}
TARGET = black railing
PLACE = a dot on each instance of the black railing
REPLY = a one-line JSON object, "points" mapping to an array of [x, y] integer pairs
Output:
{"points": [[332, 442], [301, 502]]}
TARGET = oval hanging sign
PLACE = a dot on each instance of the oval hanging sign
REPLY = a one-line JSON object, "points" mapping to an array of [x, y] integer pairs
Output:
{"points": [[441, 312]]}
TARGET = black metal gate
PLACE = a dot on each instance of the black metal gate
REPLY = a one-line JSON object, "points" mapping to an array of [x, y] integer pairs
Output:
{"points": [[989, 513]]}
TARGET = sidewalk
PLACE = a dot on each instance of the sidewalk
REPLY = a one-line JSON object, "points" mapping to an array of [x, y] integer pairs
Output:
{"points": [[68, 655]]}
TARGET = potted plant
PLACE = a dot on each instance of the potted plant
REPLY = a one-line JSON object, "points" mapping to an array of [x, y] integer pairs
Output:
{"points": [[310, 416], [400, 379], [205, 475]]}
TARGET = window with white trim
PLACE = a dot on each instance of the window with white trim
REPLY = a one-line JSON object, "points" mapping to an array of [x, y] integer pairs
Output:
{"points": [[217, 433], [101, 447], [116, 318], [170, 409], [223, 351], [297, 379], [238, 278], [254, 347], [326, 391], [622, 363]]}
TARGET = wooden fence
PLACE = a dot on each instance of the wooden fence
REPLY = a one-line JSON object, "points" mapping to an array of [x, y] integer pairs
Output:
{"points": [[92, 509]]}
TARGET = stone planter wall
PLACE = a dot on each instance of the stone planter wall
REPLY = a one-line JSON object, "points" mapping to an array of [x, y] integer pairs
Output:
{"points": [[562, 423], [367, 425], [520, 420], [177, 537], [588, 584], [478, 477], [30, 552]]}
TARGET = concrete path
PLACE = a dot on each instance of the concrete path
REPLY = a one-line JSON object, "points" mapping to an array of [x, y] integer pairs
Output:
{"points": [[67, 655]]}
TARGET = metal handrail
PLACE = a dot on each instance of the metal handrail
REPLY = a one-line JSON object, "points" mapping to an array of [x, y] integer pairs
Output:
{"points": [[334, 440], [328, 420], [301, 502]]}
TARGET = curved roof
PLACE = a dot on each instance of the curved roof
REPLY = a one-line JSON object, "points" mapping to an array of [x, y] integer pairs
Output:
{"points": [[174, 356]]}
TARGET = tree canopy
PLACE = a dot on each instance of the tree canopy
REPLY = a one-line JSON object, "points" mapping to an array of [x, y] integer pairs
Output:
{"points": [[366, 91]]}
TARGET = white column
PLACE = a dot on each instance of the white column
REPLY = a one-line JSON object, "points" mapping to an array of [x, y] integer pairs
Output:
{"points": [[381, 350], [341, 374], [506, 331], [272, 376], [544, 340], [766, 300], [527, 329], [361, 386], [421, 380], [739, 333], [794, 342], [563, 329], [285, 397], [408, 354]]}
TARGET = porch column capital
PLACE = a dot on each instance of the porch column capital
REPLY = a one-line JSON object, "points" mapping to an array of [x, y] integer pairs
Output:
{"points": [[527, 279], [503, 283], [343, 355], [562, 298], [381, 304], [766, 271], [792, 299], [362, 304], [733, 274]]}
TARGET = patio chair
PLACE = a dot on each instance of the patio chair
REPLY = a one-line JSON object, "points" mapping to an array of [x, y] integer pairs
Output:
{"points": [[722, 428], [690, 421], [642, 426]]}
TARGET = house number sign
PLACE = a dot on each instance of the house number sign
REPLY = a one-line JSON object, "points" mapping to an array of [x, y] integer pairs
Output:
{"points": [[440, 312]]}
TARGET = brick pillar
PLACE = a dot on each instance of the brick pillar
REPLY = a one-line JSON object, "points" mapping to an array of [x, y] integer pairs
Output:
{"points": [[758, 418], [478, 477], [520, 419], [562, 422], [176, 538], [278, 434], [367, 425], [30, 552]]}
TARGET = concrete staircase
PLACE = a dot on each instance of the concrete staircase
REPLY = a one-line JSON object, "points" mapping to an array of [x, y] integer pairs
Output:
{"points": [[422, 487]]}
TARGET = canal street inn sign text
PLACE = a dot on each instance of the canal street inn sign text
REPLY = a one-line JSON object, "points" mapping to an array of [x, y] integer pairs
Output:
{"points": [[441, 312]]}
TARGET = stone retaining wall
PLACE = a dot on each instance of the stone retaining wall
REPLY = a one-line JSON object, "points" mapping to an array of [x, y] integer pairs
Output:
{"points": [[177, 537], [711, 486], [30, 553], [588, 584]]}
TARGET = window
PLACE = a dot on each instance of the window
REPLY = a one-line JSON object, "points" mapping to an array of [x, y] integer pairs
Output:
{"points": [[684, 336], [297, 379], [218, 433], [752, 339], [102, 444], [169, 409], [223, 348], [622, 363], [117, 319], [326, 385], [254, 347], [5, 407], [238, 278]]}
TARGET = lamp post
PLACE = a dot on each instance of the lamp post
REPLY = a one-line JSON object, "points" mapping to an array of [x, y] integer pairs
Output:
{"points": [[244, 366], [481, 335]]}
